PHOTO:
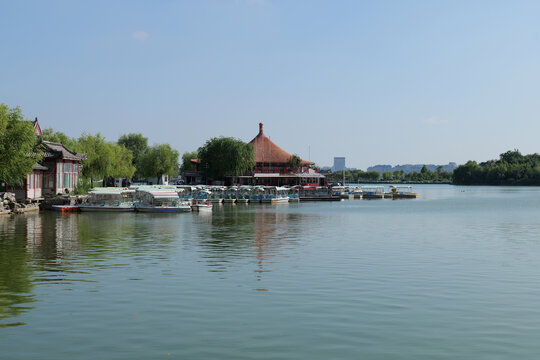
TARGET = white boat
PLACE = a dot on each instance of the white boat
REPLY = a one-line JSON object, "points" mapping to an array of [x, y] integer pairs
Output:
{"points": [[373, 192], [110, 200], [356, 192], [201, 205], [160, 200], [275, 195]]}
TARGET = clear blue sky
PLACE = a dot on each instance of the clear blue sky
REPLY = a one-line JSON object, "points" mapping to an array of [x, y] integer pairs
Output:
{"points": [[377, 82]]}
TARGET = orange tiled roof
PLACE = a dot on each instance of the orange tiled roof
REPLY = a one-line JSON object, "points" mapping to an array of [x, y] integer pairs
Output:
{"points": [[266, 151]]}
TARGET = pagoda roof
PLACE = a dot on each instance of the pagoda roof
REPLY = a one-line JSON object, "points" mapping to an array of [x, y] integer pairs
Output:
{"points": [[266, 151]]}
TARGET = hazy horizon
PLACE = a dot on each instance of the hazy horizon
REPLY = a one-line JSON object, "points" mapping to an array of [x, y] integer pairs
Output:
{"points": [[387, 82]]}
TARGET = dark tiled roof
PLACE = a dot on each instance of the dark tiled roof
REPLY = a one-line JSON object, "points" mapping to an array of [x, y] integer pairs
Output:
{"points": [[40, 167], [57, 150]]}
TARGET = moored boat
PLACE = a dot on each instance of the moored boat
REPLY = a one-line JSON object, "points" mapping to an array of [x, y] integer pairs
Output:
{"points": [[201, 205], [230, 195], [216, 197], [402, 192], [275, 195], [243, 194], [110, 200], [160, 200], [373, 192], [65, 208]]}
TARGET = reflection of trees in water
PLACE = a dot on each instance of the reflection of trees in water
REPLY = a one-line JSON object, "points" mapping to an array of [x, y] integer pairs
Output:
{"points": [[51, 248], [30, 252], [52, 237], [115, 235], [258, 231], [15, 269]]}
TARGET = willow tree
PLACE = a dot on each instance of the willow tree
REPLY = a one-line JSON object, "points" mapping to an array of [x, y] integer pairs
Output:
{"points": [[18, 152], [121, 165], [226, 156], [104, 159], [159, 160], [138, 144]]}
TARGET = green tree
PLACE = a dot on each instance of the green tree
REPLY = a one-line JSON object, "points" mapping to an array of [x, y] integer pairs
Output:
{"points": [[138, 144], [104, 159], [512, 157], [187, 165], [387, 175], [398, 174], [373, 175], [49, 134], [18, 151], [121, 165], [467, 174], [98, 156], [295, 162], [225, 156], [159, 160]]}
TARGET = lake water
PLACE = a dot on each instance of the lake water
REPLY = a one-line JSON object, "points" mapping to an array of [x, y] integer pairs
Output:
{"points": [[454, 274]]}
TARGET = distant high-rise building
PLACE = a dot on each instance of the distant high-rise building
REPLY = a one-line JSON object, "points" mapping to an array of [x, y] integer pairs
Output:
{"points": [[339, 164]]}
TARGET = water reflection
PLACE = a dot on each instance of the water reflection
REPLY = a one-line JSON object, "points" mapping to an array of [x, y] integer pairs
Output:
{"points": [[15, 270], [60, 250], [256, 234]]}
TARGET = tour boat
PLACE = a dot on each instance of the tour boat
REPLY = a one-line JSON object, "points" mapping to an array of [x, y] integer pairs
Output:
{"points": [[110, 200], [160, 200], [402, 192], [373, 192]]}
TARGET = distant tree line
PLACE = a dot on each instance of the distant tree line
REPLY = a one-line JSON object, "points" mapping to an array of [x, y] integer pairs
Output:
{"points": [[512, 168], [360, 176]]}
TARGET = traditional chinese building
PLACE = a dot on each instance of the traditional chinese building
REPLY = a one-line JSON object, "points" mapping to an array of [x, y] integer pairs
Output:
{"points": [[58, 172], [273, 167], [63, 168]]}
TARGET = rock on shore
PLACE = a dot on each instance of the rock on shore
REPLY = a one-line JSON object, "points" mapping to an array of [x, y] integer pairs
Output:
{"points": [[9, 205]]}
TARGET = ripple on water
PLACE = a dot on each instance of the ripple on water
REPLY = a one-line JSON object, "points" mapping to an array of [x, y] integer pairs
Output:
{"points": [[451, 275]]}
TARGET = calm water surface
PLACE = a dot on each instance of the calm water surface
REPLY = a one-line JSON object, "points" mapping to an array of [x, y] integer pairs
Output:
{"points": [[454, 274]]}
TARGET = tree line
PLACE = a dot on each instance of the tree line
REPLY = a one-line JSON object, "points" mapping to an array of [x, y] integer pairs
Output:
{"points": [[360, 176], [512, 168]]}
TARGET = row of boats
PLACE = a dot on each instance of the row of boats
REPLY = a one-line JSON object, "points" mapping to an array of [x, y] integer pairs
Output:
{"points": [[178, 198]]}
